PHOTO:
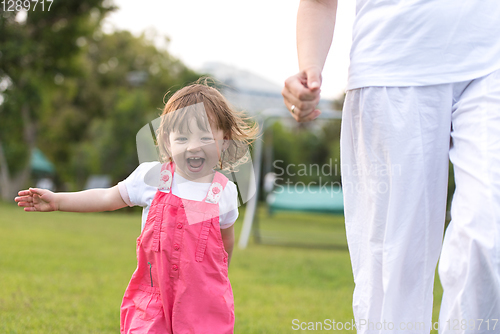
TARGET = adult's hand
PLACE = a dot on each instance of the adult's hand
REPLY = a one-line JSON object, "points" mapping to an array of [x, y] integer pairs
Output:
{"points": [[301, 94]]}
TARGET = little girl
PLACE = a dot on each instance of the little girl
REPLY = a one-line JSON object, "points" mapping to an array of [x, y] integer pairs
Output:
{"points": [[181, 282]]}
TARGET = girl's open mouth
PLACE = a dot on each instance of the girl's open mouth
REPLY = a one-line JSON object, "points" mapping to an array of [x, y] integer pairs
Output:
{"points": [[195, 164]]}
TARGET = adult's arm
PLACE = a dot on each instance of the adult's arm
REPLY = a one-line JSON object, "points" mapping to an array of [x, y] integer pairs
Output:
{"points": [[315, 26]]}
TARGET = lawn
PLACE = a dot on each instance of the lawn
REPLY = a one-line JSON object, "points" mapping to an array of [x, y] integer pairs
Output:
{"points": [[66, 273]]}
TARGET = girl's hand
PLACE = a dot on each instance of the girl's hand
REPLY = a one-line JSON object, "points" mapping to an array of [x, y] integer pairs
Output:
{"points": [[35, 199]]}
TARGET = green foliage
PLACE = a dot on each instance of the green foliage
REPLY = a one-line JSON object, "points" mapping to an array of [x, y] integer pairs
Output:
{"points": [[32, 54], [79, 89], [306, 153], [11, 133]]}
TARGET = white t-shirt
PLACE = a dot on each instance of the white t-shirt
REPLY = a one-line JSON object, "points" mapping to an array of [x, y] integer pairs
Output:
{"points": [[423, 42], [136, 191]]}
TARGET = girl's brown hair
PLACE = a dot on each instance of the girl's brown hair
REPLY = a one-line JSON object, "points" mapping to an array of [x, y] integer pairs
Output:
{"points": [[201, 101]]}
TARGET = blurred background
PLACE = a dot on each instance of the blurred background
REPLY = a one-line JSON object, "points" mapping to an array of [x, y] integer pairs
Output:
{"points": [[77, 81]]}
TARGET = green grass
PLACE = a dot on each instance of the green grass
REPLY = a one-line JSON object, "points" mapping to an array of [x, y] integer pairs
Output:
{"points": [[66, 273]]}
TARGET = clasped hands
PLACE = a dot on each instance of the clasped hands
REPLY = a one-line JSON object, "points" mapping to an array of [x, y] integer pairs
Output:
{"points": [[301, 94]]}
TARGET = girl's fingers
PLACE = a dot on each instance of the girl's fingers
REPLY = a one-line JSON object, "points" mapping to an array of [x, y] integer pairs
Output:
{"points": [[36, 191], [30, 199], [24, 199], [25, 204], [313, 115], [23, 192]]}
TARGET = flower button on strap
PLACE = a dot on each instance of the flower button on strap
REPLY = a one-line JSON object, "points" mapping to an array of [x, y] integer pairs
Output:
{"points": [[165, 180], [214, 193]]}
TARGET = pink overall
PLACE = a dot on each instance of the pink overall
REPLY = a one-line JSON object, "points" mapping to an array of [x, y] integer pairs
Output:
{"points": [[180, 285]]}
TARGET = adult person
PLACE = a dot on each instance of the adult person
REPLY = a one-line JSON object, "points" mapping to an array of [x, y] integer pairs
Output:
{"points": [[424, 85]]}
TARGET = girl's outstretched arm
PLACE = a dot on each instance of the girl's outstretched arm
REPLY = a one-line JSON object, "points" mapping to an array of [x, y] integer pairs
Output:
{"points": [[228, 240], [93, 200]]}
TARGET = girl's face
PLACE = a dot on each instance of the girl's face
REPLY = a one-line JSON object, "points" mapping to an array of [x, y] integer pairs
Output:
{"points": [[195, 151]]}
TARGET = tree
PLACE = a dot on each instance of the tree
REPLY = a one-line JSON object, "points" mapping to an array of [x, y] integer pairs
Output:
{"points": [[34, 54]]}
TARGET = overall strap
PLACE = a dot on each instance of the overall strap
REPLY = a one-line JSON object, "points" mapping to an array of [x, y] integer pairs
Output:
{"points": [[216, 188], [166, 175], [213, 196], [167, 171]]}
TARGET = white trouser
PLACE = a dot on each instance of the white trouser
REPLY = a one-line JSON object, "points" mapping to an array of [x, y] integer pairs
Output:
{"points": [[395, 145]]}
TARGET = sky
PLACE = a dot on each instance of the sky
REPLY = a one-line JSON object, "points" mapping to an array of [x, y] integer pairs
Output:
{"points": [[257, 36]]}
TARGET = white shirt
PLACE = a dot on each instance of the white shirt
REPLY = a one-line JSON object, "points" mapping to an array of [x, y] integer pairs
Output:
{"points": [[138, 189], [423, 42]]}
